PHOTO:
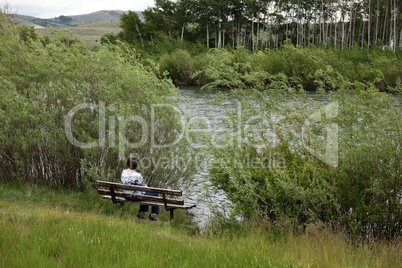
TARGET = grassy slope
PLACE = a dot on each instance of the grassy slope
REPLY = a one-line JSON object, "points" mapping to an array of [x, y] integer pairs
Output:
{"points": [[90, 33], [48, 228]]}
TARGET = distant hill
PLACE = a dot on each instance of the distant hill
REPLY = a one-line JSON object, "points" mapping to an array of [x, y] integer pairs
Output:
{"points": [[89, 33], [75, 20]]}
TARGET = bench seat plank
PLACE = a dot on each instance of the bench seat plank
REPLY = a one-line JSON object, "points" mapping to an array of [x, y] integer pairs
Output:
{"points": [[141, 197], [151, 203]]}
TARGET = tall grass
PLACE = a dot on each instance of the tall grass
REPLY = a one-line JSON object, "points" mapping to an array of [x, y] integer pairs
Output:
{"points": [[36, 234], [87, 201]]}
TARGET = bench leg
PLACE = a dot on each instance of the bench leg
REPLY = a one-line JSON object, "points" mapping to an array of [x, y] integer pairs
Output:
{"points": [[171, 214]]}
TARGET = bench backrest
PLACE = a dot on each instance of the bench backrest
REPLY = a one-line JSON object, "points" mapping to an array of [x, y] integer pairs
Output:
{"points": [[138, 188]]}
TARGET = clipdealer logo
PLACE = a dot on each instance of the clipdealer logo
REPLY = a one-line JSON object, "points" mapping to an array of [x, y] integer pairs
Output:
{"points": [[149, 130]]}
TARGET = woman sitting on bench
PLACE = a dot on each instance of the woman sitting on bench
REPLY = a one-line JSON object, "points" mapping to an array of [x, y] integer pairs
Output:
{"points": [[131, 177]]}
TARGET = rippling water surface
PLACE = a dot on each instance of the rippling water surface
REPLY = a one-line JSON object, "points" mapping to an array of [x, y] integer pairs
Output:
{"points": [[200, 104]]}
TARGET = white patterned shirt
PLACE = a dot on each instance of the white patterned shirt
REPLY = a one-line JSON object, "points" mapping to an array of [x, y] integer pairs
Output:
{"points": [[132, 177]]}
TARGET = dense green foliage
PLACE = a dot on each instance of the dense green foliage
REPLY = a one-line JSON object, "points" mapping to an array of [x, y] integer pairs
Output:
{"points": [[69, 115], [338, 164], [48, 228], [314, 68]]}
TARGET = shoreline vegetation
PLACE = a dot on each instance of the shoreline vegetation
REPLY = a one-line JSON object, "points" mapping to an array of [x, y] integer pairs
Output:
{"points": [[46, 227], [306, 66]]}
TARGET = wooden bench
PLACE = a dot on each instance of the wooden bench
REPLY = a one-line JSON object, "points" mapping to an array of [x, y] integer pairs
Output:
{"points": [[115, 192]]}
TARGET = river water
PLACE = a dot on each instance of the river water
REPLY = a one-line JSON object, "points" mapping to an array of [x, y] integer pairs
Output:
{"points": [[198, 104]]}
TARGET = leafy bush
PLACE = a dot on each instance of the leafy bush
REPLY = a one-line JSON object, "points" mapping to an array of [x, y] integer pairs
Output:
{"points": [[302, 63], [369, 172], [390, 69], [268, 61], [224, 69], [178, 65], [111, 101]]}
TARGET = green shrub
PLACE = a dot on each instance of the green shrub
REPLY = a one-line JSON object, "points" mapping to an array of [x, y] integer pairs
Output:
{"points": [[178, 65], [390, 69], [199, 63], [268, 61], [110, 100], [369, 171]]}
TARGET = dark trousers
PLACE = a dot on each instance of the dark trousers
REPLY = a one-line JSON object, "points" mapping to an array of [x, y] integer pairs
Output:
{"points": [[144, 208]]}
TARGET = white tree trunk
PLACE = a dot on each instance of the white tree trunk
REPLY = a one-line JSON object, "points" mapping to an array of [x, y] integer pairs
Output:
{"points": [[207, 32], [376, 22], [395, 19], [369, 25]]}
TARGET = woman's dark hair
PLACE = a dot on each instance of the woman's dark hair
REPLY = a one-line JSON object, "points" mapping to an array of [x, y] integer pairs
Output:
{"points": [[132, 161]]}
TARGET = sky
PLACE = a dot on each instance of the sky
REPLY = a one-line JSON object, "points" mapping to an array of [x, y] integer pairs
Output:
{"points": [[53, 8]]}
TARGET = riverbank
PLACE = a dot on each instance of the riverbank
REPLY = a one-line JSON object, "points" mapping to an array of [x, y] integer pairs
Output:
{"points": [[42, 227], [311, 67]]}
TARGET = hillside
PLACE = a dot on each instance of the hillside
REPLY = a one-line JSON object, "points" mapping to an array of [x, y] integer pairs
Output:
{"points": [[89, 33], [75, 20]]}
